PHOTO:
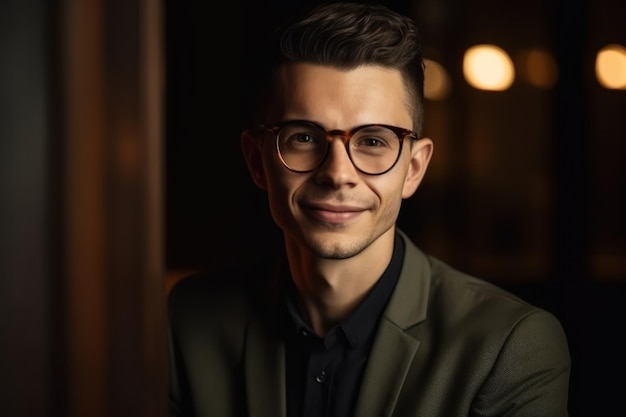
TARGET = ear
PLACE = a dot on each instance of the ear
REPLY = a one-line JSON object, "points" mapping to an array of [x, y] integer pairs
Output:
{"points": [[251, 146], [421, 152]]}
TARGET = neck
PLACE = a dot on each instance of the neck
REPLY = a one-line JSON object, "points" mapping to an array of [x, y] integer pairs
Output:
{"points": [[330, 289]]}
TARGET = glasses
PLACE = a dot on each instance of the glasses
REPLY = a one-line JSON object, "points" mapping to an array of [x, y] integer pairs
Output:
{"points": [[374, 149]]}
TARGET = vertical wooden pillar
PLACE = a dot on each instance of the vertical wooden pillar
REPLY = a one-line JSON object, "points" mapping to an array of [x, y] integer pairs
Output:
{"points": [[114, 280]]}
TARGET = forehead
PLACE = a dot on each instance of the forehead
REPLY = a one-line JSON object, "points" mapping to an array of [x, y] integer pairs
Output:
{"points": [[340, 98]]}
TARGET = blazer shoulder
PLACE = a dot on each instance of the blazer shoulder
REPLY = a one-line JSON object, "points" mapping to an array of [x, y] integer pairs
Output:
{"points": [[484, 304], [219, 294], [455, 296], [450, 279]]}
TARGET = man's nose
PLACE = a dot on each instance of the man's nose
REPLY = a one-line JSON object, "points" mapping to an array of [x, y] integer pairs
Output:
{"points": [[337, 169]]}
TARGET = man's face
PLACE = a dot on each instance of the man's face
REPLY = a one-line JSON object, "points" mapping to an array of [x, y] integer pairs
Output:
{"points": [[337, 211]]}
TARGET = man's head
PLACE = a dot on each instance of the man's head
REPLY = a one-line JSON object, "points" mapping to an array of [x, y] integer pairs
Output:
{"points": [[346, 36], [335, 147]]}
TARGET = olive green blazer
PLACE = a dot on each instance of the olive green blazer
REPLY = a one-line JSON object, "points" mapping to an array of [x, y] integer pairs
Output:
{"points": [[448, 344]]}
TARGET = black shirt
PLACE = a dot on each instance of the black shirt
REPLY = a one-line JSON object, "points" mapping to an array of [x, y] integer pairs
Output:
{"points": [[324, 374]]}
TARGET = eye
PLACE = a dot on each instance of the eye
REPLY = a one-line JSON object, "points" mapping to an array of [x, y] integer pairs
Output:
{"points": [[302, 137], [375, 137], [371, 141]]}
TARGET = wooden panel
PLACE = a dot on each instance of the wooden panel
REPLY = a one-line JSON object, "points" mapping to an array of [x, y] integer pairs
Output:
{"points": [[115, 284]]}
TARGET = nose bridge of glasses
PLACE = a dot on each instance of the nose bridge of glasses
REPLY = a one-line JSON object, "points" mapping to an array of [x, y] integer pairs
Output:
{"points": [[338, 153], [343, 134]]}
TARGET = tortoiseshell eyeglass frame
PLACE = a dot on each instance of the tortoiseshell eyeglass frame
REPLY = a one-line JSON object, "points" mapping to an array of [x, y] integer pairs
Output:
{"points": [[346, 135]]}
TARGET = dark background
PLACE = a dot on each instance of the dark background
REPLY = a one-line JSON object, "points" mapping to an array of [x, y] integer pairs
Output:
{"points": [[120, 171], [525, 188]]}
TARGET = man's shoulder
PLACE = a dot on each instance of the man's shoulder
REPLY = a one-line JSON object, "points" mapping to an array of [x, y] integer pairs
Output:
{"points": [[469, 308], [464, 301], [220, 289], [474, 290], [460, 294]]}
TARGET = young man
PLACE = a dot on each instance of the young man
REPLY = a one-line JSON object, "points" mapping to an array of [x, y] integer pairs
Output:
{"points": [[353, 319]]}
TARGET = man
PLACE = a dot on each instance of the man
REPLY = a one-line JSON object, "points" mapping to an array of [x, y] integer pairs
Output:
{"points": [[353, 319]]}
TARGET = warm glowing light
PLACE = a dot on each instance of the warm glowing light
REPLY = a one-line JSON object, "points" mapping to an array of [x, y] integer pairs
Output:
{"points": [[437, 84], [611, 67], [538, 68], [488, 67]]}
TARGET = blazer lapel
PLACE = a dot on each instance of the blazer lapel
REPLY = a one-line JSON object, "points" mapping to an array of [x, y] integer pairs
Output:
{"points": [[395, 347], [386, 371], [264, 372]]}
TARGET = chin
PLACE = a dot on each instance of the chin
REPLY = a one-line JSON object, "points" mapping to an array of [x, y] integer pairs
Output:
{"points": [[335, 247]]}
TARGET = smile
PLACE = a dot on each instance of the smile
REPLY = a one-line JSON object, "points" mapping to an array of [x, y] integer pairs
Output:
{"points": [[334, 214]]}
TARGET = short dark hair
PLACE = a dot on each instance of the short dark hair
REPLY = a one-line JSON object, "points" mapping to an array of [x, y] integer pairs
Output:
{"points": [[347, 35]]}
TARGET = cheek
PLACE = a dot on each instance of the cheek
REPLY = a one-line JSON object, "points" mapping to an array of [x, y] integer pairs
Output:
{"points": [[390, 192], [392, 204], [405, 187], [277, 176], [281, 186]]}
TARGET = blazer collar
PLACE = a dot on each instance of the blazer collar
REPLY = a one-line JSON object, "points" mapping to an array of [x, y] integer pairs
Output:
{"points": [[409, 301], [407, 307], [264, 371], [264, 350]]}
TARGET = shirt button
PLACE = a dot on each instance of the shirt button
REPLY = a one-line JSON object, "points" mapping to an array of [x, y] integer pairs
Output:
{"points": [[321, 377]]}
